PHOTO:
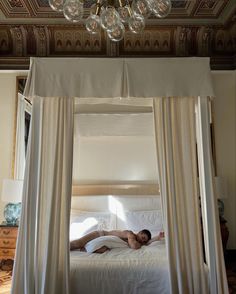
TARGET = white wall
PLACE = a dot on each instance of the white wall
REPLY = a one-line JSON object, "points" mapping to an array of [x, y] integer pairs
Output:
{"points": [[225, 138], [115, 159], [7, 112]]}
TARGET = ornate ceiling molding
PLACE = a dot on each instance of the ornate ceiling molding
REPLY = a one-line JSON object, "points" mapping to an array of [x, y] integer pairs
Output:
{"points": [[169, 38]]}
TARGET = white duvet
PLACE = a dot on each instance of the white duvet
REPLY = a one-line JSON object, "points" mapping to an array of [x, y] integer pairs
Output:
{"points": [[121, 271]]}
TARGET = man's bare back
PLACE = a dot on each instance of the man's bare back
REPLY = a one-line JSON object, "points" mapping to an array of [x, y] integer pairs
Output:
{"points": [[127, 236]]}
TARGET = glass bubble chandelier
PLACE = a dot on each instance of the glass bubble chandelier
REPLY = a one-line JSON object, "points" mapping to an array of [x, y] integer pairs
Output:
{"points": [[113, 15]]}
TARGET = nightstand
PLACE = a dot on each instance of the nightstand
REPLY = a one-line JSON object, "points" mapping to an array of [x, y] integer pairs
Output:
{"points": [[8, 237]]}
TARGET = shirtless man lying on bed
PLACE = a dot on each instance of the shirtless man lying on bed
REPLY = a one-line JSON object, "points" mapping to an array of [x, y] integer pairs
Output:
{"points": [[135, 241]]}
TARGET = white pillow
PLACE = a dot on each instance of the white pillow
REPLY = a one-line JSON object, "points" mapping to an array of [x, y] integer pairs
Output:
{"points": [[139, 220], [108, 241], [84, 222]]}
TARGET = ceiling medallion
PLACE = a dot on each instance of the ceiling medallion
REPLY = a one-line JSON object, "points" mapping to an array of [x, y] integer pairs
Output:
{"points": [[111, 15]]}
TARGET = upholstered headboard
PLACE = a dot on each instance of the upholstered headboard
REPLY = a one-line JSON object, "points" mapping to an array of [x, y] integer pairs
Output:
{"points": [[108, 202]]}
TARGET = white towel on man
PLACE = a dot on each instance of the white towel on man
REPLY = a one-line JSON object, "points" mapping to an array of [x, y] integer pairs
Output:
{"points": [[108, 241]]}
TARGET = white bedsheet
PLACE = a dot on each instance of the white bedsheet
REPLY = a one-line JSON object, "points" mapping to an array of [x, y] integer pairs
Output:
{"points": [[121, 271]]}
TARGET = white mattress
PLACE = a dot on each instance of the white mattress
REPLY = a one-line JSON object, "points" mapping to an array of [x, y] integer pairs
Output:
{"points": [[121, 271]]}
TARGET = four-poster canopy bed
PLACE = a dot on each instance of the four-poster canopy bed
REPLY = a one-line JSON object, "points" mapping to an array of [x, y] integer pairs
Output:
{"points": [[180, 89]]}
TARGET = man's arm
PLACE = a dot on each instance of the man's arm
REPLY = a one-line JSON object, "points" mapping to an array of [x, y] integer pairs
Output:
{"points": [[160, 236], [133, 243]]}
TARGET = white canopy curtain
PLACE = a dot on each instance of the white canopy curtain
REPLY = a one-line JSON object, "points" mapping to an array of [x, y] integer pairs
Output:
{"points": [[176, 150], [42, 261], [42, 258]]}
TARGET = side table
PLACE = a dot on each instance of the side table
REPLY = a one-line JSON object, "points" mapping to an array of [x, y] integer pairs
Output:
{"points": [[8, 237]]}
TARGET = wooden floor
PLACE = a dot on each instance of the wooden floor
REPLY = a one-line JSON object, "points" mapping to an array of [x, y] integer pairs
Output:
{"points": [[231, 275], [5, 289], [5, 282]]}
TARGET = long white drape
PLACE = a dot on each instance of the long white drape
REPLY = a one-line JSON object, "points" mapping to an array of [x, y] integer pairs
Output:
{"points": [[213, 243], [176, 153], [42, 255]]}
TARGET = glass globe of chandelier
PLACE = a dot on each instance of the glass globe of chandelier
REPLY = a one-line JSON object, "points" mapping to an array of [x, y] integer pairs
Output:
{"points": [[113, 15]]}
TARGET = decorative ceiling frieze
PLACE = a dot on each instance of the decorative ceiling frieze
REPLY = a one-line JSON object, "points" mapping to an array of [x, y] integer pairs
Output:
{"points": [[70, 40], [66, 41]]}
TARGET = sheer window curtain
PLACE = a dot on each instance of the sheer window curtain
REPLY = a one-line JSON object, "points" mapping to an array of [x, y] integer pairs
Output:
{"points": [[22, 107], [42, 254], [176, 153]]}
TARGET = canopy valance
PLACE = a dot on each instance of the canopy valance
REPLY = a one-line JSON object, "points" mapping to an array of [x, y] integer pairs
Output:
{"points": [[119, 77]]}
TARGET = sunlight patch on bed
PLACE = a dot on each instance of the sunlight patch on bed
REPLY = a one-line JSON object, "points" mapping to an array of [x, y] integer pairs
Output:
{"points": [[79, 229]]}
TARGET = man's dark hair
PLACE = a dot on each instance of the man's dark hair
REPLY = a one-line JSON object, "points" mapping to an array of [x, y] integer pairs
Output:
{"points": [[147, 233]]}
